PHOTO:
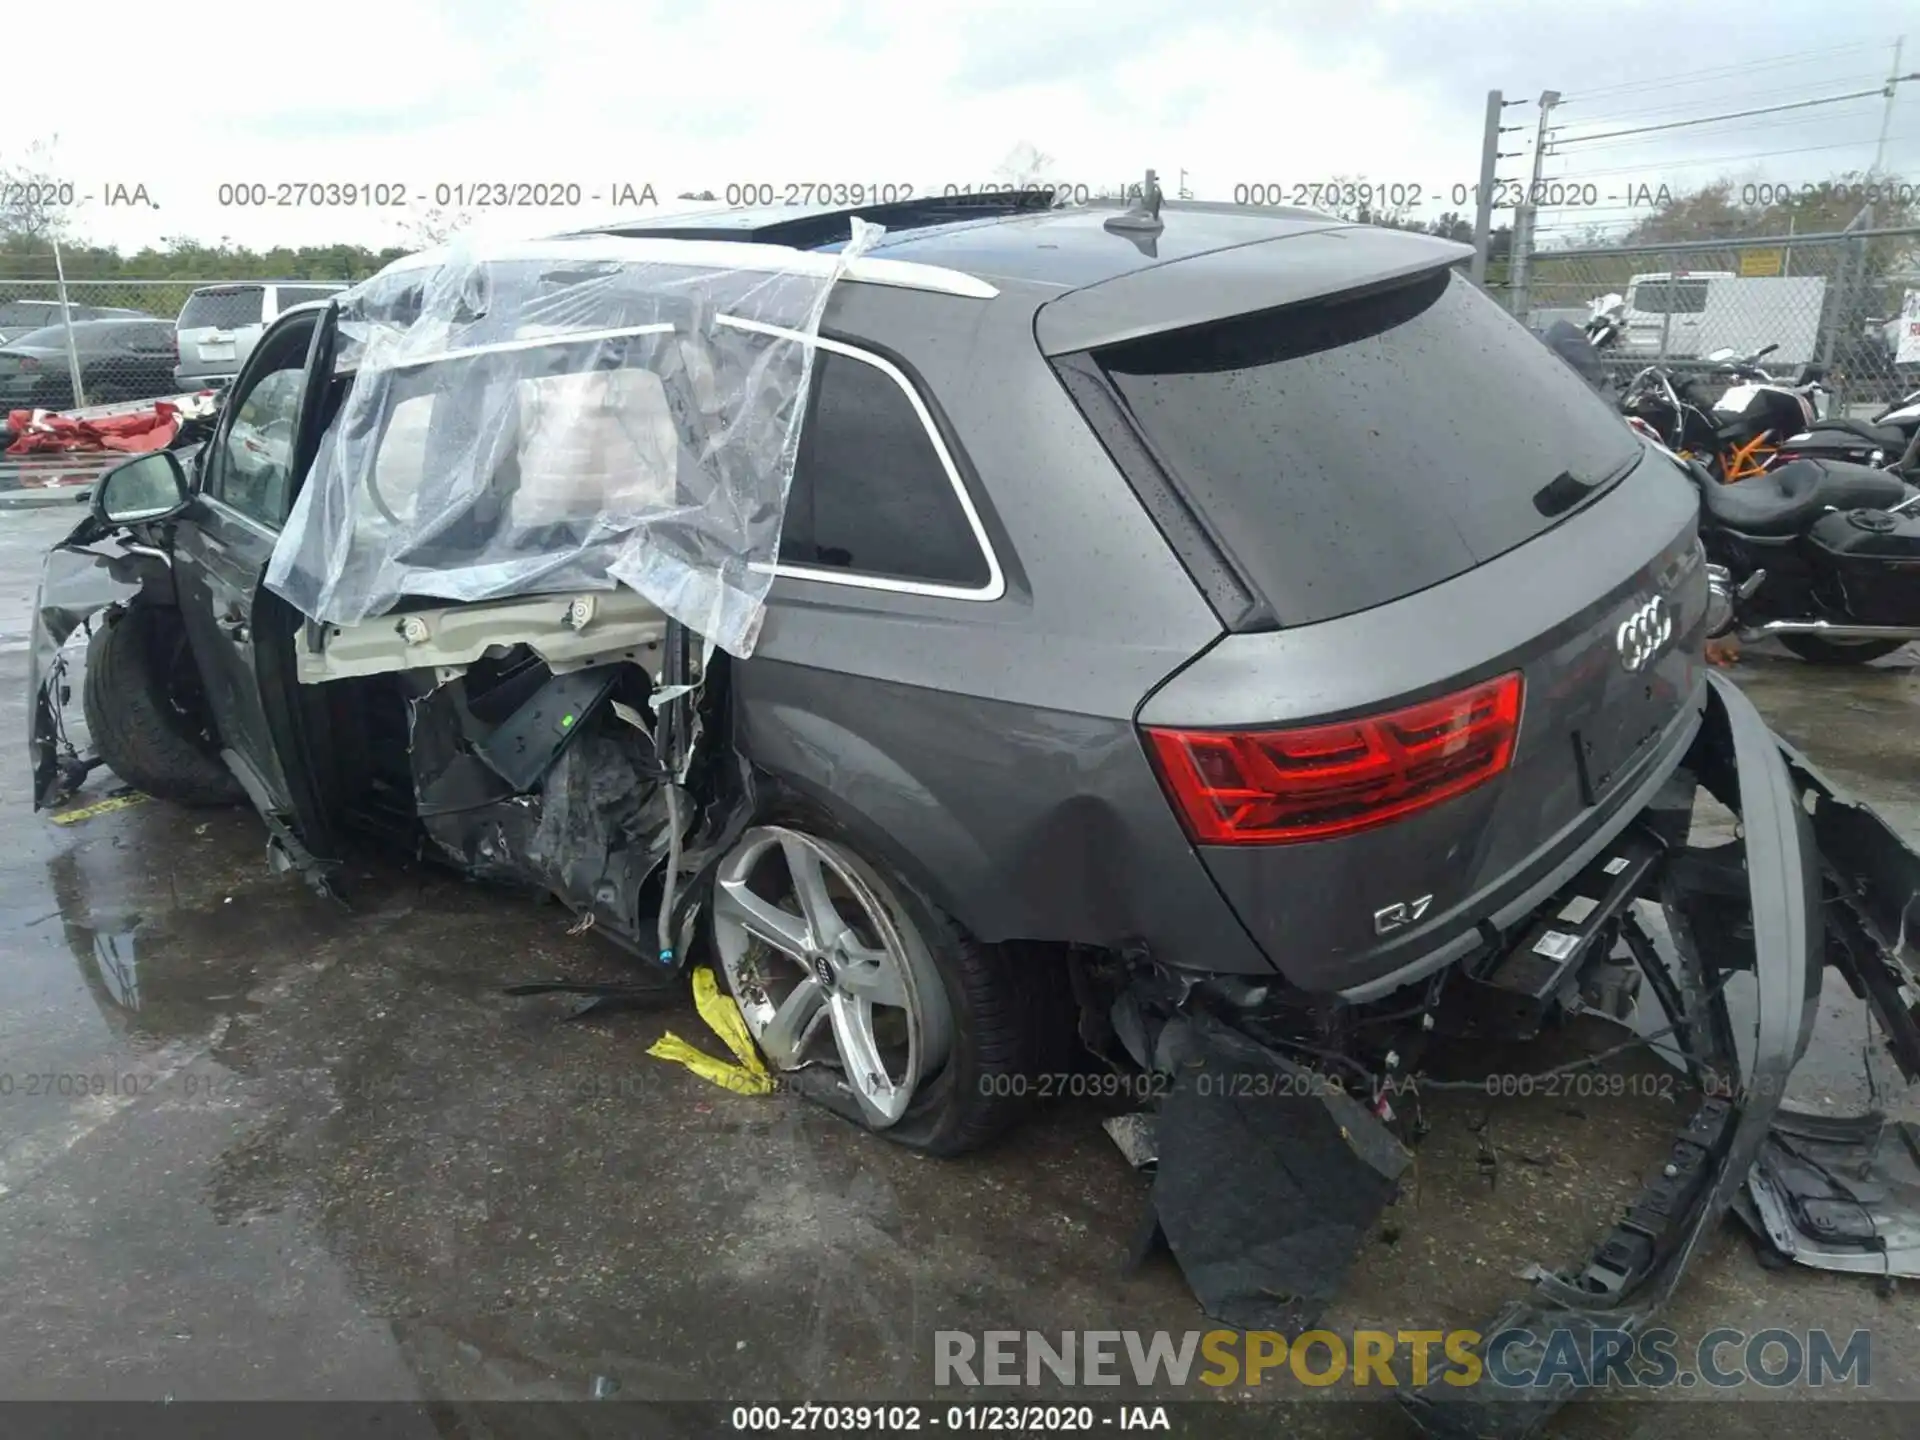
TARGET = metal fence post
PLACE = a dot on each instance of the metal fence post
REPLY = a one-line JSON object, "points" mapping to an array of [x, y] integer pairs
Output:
{"points": [[1483, 196], [1520, 299], [66, 322], [1668, 292], [1840, 308]]}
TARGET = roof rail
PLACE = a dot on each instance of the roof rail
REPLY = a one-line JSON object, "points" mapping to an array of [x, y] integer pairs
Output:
{"points": [[811, 229], [703, 254]]}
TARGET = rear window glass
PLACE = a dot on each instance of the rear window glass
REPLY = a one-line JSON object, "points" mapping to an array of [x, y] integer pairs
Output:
{"points": [[292, 295], [221, 309], [26, 315], [1669, 297], [50, 337], [1352, 451]]}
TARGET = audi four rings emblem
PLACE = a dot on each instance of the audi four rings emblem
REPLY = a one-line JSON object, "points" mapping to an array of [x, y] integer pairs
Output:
{"points": [[1643, 633]]}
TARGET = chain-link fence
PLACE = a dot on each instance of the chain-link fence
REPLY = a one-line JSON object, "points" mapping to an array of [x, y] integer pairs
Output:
{"points": [[1846, 302], [91, 342]]}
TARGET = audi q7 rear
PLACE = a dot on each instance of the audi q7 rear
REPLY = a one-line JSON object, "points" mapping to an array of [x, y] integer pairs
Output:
{"points": [[1341, 626], [1463, 607]]}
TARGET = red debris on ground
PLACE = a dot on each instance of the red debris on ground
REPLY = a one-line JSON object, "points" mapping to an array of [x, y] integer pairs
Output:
{"points": [[40, 432]]}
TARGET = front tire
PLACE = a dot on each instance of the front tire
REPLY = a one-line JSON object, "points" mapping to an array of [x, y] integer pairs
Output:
{"points": [[1817, 650], [140, 701], [877, 1004]]}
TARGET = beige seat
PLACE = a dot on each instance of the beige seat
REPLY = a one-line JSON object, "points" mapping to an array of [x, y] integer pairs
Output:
{"points": [[592, 444]]}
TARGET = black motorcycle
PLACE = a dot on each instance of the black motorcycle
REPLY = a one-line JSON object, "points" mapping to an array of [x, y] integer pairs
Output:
{"points": [[1823, 556], [1890, 440], [1733, 418]]}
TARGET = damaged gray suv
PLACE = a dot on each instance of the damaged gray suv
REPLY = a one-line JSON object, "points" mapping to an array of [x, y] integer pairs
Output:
{"points": [[1187, 631]]}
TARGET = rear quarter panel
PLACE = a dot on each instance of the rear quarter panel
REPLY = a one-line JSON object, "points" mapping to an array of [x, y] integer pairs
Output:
{"points": [[986, 749]]}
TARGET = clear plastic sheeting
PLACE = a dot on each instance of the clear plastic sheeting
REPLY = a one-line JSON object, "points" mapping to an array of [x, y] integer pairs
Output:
{"points": [[564, 415]]}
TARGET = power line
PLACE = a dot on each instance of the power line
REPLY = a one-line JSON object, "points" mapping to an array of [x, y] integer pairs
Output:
{"points": [[1726, 159], [1659, 82], [1670, 108], [1720, 124], [1880, 90]]}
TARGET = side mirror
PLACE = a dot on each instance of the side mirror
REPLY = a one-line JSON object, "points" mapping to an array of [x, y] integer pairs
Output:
{"points": [[148, 487]]}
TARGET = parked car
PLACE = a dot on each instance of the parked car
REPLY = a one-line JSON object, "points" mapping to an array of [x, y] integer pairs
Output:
{"points": [[18, 317], [1211, 622], [220, 324], [119, 360]]}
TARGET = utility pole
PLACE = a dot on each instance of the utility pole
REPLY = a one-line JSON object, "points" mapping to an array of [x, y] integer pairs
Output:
{"points": [[1523, 213], [66, 324], [1483, 197], [1886, 114]]}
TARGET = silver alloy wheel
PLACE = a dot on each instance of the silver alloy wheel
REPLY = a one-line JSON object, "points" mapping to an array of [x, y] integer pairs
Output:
{"points": [[826, 966]]}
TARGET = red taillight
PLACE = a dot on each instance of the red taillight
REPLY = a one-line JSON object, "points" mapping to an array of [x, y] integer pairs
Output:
{"points": [[28, 365], [1254, 787]]}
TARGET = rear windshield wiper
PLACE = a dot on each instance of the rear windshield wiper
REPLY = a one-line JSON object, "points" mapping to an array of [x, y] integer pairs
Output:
{"points": [[1567, 491]]}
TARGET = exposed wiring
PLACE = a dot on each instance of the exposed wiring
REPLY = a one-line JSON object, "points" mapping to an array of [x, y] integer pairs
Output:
{"points": [[1585, 1062], [671, 880]]}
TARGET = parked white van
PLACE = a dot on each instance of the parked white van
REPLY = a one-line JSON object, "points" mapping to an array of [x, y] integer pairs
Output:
{"points": [[1689, 314]]}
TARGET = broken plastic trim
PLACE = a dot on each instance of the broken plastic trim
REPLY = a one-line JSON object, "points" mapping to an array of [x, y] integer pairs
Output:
{"points": [[1839, 1193], [1275, 1273], [76, 583], [1636, 1268]]}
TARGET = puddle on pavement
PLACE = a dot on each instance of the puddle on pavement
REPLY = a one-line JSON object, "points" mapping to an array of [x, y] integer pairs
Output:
{"points": [[501, 1203]]}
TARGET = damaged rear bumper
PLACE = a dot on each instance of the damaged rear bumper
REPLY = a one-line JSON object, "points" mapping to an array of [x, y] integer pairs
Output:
{"points": [[1811, 879], [1800, 883]]}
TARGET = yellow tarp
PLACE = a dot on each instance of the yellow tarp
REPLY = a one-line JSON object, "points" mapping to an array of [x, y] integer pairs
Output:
{"points": [[749, 1076], [87, 812]]}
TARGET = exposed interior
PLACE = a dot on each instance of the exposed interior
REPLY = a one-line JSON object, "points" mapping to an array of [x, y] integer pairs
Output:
{"points": [[511, 738]]}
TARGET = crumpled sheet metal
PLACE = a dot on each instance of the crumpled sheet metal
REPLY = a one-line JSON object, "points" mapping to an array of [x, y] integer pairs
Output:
{"points": [[564, 415], [75, 585]]}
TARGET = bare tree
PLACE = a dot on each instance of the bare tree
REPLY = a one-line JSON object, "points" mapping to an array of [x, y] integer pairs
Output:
{"points": [[34, 201], [1025, 166], [434, 226]]}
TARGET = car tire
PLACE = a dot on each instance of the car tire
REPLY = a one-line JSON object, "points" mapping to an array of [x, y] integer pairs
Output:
{"points": [[993, 1007], [1817, 650], [136, 715]]}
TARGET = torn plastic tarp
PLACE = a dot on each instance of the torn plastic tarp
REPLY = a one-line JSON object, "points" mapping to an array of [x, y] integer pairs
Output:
{"points": [[563, 415]]}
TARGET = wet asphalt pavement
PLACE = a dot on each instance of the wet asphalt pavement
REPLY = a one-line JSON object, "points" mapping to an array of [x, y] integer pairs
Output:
{"points": [[253, 1145]]}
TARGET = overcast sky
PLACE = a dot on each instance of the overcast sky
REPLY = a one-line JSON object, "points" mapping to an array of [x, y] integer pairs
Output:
{"points": [[693, 94]]}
